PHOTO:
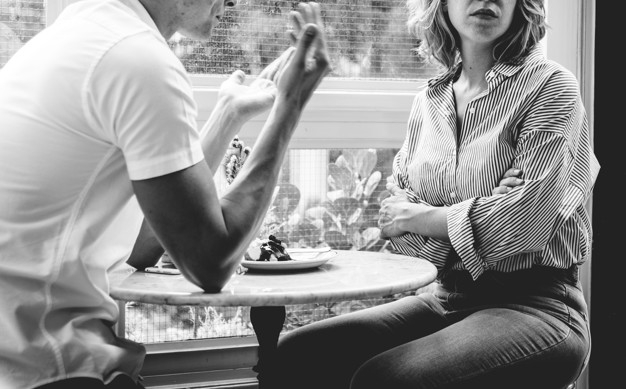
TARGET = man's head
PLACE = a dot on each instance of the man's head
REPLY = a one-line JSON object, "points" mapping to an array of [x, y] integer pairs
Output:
{"points": [[192, 18]]}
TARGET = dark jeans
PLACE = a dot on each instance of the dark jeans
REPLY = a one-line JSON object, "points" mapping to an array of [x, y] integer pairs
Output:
{"points": [[526, 329], [120, 382]]}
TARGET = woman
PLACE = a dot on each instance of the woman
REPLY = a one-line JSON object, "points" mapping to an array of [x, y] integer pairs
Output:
{"points": [[507, 310]]}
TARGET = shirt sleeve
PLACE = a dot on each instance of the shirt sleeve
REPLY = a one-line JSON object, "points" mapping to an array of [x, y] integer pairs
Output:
{"points": [[559, 168], [140, 99], [413, 244]]}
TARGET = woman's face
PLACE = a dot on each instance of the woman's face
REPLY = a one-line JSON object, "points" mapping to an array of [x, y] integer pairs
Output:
{"points": [[481, 21]]}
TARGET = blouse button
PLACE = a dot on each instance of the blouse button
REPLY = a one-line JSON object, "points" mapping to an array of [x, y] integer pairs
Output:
{"points": [[453, 195], [472, 110]]}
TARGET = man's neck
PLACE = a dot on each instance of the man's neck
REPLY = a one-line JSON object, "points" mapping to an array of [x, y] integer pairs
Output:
{"points": [[163, 13]]}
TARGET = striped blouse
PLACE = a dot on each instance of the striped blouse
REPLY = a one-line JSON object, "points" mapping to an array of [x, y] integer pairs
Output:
{"points": [[531, 117]]}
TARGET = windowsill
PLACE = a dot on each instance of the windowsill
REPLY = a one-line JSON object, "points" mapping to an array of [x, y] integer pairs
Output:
{"points": [[214, 363], [370, 114]]}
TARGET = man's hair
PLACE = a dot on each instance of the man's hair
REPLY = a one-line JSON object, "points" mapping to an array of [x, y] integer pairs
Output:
{"points": [[438, 39]]}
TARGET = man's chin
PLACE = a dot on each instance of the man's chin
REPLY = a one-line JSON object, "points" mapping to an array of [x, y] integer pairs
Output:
{"points": [[196, 35]]}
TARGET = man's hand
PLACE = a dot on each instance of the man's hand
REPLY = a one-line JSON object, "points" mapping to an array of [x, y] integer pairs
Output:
{"points": [[247, 101], [297, 72], [306, 67], [510, 180]]}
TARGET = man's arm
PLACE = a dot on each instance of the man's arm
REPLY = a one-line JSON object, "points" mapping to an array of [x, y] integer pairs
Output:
{"points": [[206, 236]]}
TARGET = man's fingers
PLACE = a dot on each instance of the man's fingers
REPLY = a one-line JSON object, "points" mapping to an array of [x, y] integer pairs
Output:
{"points": [[285, 60], [272, 70], [298, 22], [317, 13], [238, 76], [306, 11], [306, 40], [293, 37]]}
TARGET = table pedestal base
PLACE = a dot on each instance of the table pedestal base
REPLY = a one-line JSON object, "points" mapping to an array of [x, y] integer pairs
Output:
{"points": [[267, 323]]}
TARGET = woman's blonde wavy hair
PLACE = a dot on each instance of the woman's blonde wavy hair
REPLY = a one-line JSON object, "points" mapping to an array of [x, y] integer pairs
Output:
{"points": [[439, 40]]}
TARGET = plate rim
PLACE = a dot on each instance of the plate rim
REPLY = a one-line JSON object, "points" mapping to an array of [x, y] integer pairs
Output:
{"points": [[307, 263]]}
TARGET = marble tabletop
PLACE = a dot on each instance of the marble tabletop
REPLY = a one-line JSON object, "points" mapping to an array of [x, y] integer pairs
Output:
{"points": [[348, 275]]}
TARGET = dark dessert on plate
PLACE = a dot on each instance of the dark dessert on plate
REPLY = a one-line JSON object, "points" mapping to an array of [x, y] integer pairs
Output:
{"points": [[270, 249]]}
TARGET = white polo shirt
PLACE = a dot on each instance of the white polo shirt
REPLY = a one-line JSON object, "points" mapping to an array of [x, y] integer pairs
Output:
{"points": [[92, 102]]}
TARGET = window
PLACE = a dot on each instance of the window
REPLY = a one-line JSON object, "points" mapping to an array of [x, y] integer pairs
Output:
{"points": [[366, 40], [19, 21], [362, 102]]}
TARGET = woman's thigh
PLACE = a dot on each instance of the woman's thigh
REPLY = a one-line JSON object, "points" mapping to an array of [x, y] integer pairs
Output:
{"points": [[505, 347], [326, 354]]}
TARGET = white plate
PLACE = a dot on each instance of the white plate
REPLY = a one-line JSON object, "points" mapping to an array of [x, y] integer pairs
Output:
{"points": [[301, 259]]}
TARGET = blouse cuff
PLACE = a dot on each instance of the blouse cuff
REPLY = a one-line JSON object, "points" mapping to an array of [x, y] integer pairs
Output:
{"points": [[462, 237]]}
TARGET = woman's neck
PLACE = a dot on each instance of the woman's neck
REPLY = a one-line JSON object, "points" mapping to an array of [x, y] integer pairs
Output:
{"points": [[475, 64]]}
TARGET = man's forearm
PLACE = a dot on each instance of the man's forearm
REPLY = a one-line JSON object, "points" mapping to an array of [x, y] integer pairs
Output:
{"points": [[218, 132], [147, 250], [254, 186]]}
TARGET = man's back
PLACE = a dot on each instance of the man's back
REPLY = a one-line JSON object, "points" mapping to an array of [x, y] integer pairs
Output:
{"points": [[68, 211]]}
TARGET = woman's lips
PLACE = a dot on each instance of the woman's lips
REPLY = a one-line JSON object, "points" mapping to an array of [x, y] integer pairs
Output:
{"points": [[484, 12]]}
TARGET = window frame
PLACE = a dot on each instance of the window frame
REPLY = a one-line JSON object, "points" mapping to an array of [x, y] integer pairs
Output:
{"points": [[372, 114]]}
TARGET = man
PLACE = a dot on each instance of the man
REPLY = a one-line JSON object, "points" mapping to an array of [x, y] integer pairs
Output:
{"points": [[98, 130]]}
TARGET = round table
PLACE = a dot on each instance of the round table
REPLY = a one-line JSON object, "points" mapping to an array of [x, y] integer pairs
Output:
{"points": [[349, 275]]}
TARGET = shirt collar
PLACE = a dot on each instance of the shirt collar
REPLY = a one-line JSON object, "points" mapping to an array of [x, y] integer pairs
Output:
{"points": [[143, 14], [505, 69]]}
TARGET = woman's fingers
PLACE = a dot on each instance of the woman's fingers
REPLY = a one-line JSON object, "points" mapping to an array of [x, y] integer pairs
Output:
{"points": [[510, 180], [512, 172]]}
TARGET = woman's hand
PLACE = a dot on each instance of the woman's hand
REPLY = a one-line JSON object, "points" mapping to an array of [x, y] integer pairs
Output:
{"points": [[394, 210], [398, 213], [510, 180]]}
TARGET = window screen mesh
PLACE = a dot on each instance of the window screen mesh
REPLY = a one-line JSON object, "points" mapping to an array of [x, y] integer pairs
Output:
{"points": [[366, 39], [151, 323], [20, 20]]}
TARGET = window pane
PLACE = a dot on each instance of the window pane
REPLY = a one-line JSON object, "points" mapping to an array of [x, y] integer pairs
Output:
{"points": [[20, 20], [366, 39]]}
